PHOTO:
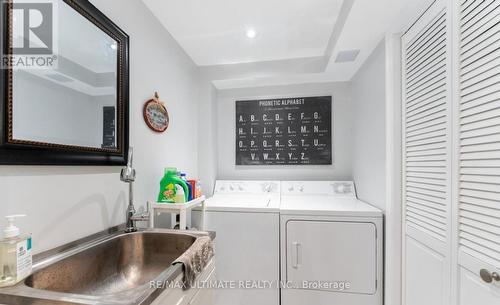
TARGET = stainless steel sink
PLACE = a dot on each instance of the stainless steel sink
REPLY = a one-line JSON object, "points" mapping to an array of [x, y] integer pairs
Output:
{"points": [[116, 269], [116, 265]]}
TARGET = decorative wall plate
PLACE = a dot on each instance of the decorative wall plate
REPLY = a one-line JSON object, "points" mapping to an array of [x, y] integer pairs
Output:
{"points": [[156, 115]]}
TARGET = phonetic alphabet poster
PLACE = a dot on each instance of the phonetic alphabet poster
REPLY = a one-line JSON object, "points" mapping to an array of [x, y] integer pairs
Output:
{"points": [[284, 131]]}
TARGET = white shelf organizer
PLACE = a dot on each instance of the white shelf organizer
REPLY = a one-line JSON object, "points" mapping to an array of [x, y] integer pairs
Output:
{"points": [[183, 209]]}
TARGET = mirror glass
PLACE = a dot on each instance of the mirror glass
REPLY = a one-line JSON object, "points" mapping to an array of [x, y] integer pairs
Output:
{"points": [[75, 102]]}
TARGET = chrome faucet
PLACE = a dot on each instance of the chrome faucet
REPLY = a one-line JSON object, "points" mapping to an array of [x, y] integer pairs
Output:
{"points": [[128, 176]]}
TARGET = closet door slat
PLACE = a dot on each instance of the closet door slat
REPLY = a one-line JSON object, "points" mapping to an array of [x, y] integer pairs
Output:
{"points": [[426, 123], [483, 27], [479, 131]]}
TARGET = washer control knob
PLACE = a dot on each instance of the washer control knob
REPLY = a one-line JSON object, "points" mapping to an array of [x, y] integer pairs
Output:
{"points": [[301, 188], [240, 188], [290, 188], [231, 187]]}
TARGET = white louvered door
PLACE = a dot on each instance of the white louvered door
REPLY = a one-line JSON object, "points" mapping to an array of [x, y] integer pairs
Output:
{"points": [[427, 159], [451, 155], [479, 151]]}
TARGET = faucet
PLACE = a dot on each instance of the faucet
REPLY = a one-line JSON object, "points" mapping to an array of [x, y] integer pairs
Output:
{"points": [[128, 176]]}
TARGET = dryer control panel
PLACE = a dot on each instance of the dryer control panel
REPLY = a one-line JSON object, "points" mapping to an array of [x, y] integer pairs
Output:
{"points": [[332, 188], [250, 187]]}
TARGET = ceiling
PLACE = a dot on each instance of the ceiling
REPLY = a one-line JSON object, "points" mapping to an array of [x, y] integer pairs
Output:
{"points": [[213, 32], [96, 53], [297, 41]]}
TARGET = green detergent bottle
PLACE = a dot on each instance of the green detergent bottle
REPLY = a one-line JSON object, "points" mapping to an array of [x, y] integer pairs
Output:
{"points": [[168, 184]]}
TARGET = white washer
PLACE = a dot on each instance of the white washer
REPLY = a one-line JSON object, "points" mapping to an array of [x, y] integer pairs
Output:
{"points": [[329, 240], [245, 216]]}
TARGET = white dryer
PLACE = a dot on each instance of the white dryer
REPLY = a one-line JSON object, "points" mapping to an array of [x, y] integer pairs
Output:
{"points": [[245, 217], [331, 245]]}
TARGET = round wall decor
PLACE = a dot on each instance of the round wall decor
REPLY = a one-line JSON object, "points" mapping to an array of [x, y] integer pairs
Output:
{"points": [[156, 115]]}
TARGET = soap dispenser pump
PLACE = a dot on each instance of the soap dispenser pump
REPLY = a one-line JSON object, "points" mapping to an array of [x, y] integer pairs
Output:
{"points": [[11, 230], [15, 254]]}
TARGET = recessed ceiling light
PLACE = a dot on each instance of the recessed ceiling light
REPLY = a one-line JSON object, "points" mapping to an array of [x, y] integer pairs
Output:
{"points": [[251, 33]]}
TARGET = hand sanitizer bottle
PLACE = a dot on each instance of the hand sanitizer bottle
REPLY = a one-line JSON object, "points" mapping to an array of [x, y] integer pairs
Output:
{"points": [[15, 254]]}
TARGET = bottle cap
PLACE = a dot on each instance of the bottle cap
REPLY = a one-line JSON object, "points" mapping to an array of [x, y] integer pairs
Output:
{"points": [[12, 230], [170, 170]]}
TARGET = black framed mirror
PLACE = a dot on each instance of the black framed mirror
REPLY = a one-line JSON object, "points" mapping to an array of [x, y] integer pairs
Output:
{"points": [[64, 84]]}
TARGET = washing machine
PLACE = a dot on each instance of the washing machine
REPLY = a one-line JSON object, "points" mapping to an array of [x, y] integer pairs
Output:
{"points": [[245, 217], [331, 245]]}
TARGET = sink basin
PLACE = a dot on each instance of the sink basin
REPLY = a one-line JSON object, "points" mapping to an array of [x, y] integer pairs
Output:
{"points": [[110, 267], [115, 265]]}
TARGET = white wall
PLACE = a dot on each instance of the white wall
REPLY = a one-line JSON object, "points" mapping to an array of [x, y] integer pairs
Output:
{"points": [[66, 203], [368, 134], [341, 120], [207, 135]]}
